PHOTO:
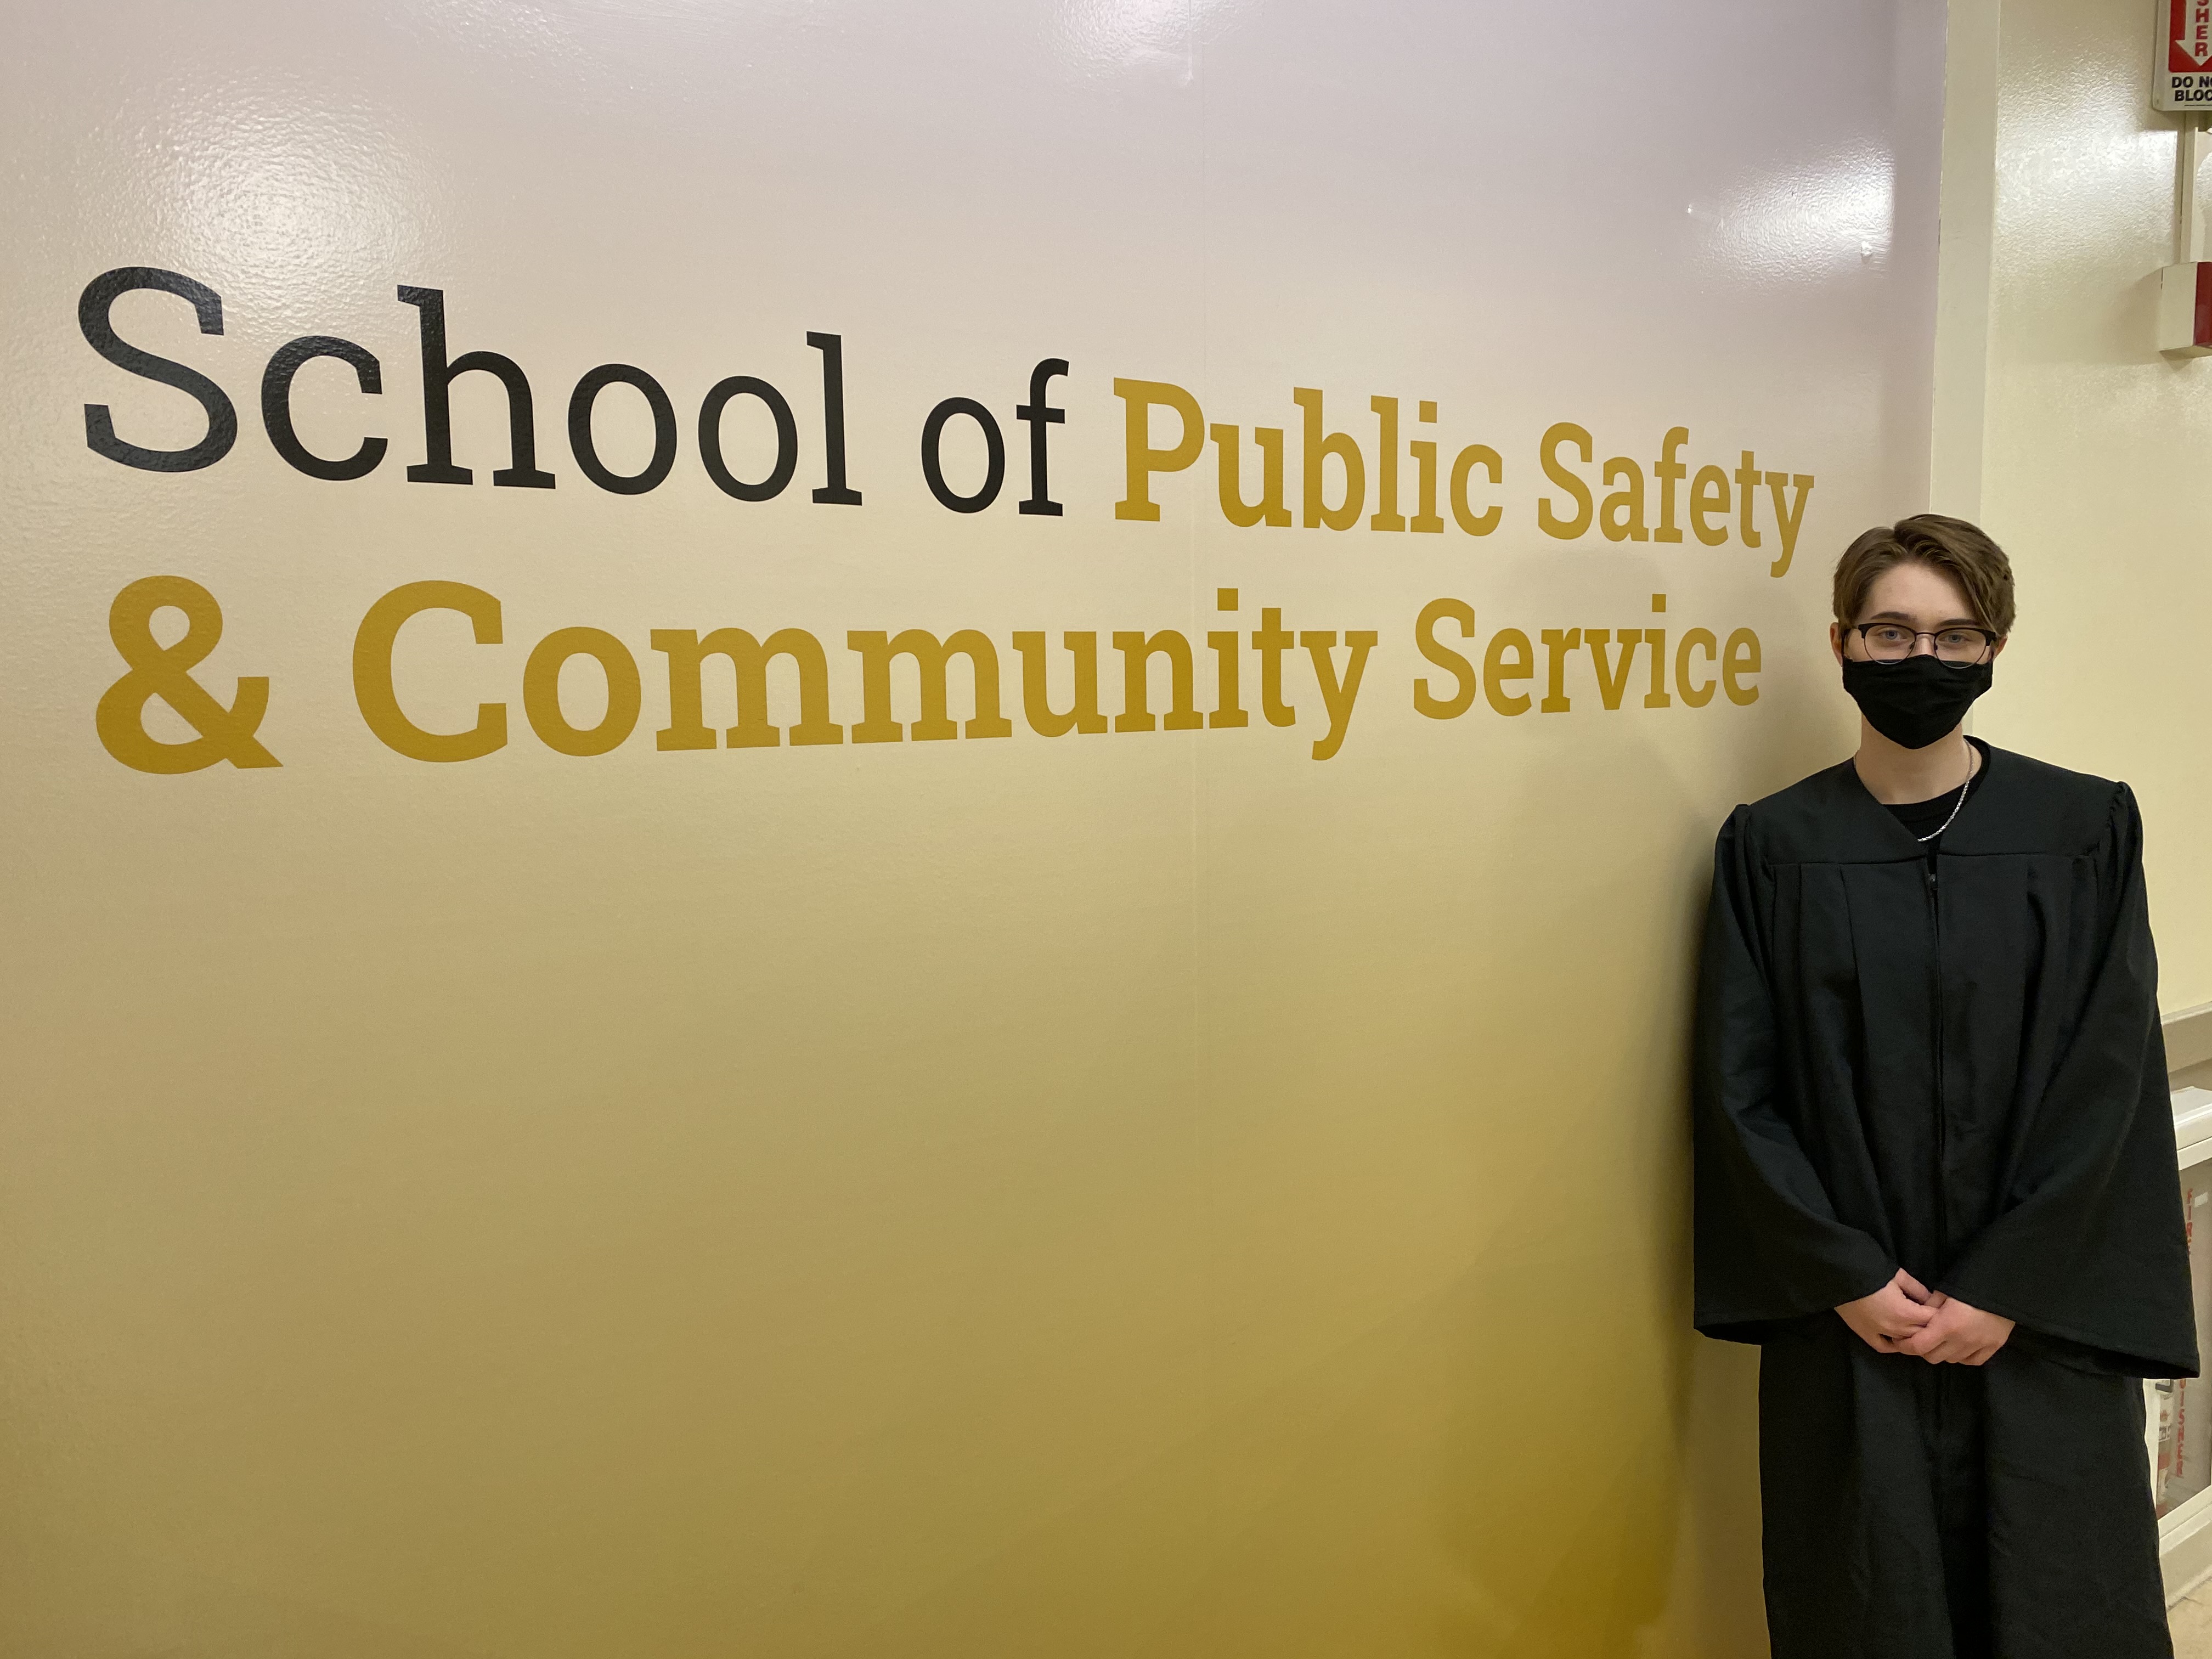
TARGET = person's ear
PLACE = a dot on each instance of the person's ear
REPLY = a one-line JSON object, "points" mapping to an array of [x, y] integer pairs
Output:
{"points": [[1836, 639], [1998, 650]]}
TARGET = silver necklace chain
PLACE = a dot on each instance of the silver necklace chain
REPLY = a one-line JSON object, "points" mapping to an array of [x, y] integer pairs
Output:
{"points": [[1955, 806]]}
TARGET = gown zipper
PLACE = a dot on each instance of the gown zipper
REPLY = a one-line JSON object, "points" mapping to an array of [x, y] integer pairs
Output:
{"points": [[1943, 1185]]}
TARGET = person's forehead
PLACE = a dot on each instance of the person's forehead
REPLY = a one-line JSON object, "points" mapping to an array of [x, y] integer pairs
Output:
{"points": [[1918, 592]]}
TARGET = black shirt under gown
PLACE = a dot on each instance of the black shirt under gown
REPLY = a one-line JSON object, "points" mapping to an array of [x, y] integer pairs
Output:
{"points": [[1946, 1058]]}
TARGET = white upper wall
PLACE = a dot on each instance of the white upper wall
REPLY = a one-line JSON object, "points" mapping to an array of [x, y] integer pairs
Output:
{"points": [[2094, 452]]}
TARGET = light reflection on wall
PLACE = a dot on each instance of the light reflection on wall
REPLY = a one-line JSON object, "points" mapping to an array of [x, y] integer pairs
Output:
{"points": [[275, 201], [1791, 227], [1158, 37]]}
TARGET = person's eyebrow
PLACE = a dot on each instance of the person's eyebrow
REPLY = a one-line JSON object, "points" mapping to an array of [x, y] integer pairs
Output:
{"points": [[1899, 615]]}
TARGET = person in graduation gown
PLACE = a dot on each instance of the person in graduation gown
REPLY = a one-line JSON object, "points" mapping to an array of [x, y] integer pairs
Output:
{"points": [[1935, 1160]]}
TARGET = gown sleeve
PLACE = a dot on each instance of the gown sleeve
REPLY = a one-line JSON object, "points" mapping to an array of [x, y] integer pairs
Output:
{"points": [[1768, 1244], [2090, 1246]]}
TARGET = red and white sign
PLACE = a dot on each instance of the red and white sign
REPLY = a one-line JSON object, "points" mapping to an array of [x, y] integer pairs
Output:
{"points": [[2188, 46], [2185, 56]]}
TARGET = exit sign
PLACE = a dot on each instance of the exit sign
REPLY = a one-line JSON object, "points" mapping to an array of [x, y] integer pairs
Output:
{"points": [[2183, 66]]}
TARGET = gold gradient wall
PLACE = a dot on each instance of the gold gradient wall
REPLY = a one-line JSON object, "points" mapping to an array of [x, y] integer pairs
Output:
{"points": [[1129, 1192]]}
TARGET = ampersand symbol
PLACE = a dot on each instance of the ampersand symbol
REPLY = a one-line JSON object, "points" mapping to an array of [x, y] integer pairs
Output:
{"points": [[164, 672]]}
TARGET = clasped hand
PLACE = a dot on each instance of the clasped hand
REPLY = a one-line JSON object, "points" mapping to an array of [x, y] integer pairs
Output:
{"points": [[1906, 1316]]}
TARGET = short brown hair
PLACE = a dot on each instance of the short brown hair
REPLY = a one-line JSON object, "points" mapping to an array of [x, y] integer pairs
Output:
{"points": [[1953, 546]]}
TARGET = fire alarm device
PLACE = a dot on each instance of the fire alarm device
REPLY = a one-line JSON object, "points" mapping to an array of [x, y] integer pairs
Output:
{"points": [[2181, 76]]}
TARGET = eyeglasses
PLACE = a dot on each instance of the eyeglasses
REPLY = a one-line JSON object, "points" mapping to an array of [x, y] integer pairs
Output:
{"points": [[1885, 641]]}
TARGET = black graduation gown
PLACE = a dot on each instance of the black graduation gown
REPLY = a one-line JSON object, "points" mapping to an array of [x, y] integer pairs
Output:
{"points": [[1952, 1065]]}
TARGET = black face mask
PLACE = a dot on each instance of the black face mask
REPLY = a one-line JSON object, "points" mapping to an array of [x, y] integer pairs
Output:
{"points": [[1917, 702]]}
